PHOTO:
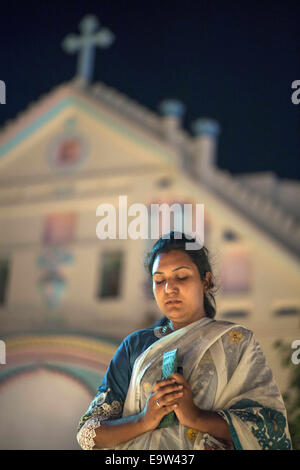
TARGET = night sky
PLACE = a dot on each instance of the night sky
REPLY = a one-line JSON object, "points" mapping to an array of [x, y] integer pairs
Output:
{"points": [[233, 61]]}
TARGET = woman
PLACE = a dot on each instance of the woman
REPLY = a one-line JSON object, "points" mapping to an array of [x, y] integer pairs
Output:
{"points": [[223, 395]]}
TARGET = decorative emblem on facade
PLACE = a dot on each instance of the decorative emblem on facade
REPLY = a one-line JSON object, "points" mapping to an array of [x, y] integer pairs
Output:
{"points": [[69, 149]]}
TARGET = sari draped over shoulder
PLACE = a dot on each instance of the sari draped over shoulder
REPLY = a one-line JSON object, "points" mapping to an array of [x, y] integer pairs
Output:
{"points": [[228, 373]]}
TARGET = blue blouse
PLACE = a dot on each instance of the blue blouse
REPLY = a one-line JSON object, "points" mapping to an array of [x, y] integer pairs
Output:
{"points": [[115, 383]]}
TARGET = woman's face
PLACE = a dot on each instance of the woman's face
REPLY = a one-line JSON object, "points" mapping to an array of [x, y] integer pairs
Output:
{"points": [[178, 288]]}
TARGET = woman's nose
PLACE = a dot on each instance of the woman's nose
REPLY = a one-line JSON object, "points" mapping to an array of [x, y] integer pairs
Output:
{"points": [[170, 286]]}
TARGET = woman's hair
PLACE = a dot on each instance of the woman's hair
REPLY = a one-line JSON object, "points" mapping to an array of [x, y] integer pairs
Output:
{"points": [[200, 257]]}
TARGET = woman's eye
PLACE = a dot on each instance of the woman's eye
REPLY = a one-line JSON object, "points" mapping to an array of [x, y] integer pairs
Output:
{"points": [[178, 279]]}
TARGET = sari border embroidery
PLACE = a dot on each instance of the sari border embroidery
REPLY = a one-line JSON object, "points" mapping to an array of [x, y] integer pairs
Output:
{"points": [[267, 425], [236, 442]]}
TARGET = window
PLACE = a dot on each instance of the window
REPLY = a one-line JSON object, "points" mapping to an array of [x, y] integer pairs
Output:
{"points": [[235, 314], [4, 271], [235, 271], [110, 276], [287, 311], [230, 235]]}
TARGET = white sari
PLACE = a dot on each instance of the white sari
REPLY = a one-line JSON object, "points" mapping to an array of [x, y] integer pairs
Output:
{"points": [[228, 373]]}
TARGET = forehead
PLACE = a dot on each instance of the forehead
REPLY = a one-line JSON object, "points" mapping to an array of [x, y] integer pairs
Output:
{"points": [[172, 260]]}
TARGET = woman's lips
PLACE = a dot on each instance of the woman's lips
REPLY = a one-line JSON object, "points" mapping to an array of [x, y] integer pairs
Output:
{"points": [[173, 302]]}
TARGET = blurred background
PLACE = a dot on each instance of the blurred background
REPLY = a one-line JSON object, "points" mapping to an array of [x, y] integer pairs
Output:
{"points": [[161, 102]]}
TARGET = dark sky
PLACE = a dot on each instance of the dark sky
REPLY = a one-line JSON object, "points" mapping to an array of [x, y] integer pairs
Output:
{"points": [[233, 61]]}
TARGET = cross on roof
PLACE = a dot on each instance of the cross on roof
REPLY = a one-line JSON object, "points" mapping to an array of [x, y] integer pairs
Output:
{"points": [[85, 45]]}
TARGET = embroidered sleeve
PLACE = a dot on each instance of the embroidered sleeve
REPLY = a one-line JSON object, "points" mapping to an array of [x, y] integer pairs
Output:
{"points": [[96, 414], [111, 394], [102, 410], [85, 436], [109, 399]]}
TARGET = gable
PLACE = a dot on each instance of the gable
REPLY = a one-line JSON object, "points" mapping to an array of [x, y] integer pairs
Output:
{"points": [[74, 136]]}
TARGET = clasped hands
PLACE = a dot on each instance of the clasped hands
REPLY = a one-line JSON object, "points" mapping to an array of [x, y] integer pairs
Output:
{"points": [[172, 394]]}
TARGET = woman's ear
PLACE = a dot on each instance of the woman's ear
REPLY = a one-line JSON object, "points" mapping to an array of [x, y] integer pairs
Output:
{"points": [[208, 283]]}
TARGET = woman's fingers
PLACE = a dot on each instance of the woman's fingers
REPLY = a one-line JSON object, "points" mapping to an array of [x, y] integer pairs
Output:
{"points": [[162, 400], [170, 399], [162, 383], [169, 390], [168, 395], [168, 409], [178, 378], [166, 390]]}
